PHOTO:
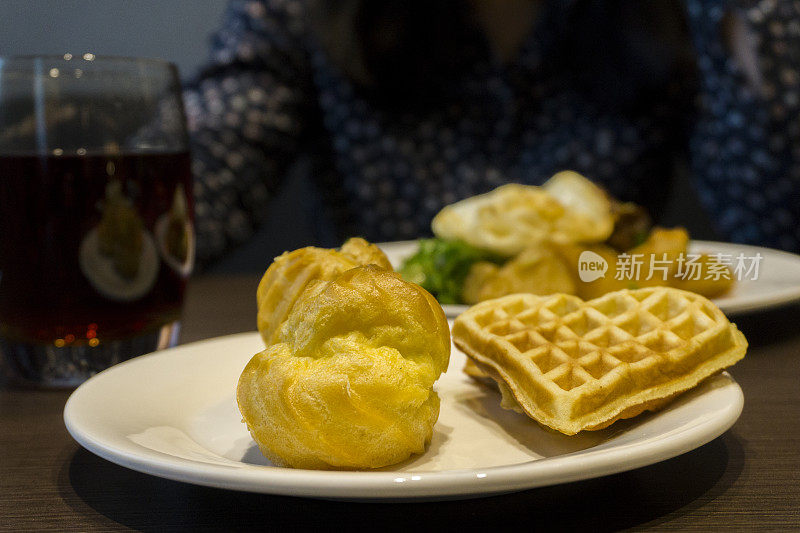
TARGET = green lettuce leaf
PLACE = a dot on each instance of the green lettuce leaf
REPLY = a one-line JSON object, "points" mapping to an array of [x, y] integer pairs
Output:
{"points": [[440, 267]]}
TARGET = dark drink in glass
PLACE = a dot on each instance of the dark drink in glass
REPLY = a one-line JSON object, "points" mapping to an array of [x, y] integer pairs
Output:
{"points": [[96, 236]]}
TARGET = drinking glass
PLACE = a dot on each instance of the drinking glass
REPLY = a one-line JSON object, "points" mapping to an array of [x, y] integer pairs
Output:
{"points": [[96, 232]]}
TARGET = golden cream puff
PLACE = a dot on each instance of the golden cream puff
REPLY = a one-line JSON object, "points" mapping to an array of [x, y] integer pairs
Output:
{"points": [[348, 382]]}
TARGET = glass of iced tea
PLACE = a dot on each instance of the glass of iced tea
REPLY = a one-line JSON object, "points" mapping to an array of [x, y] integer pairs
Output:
{"points": [[96, 234]]}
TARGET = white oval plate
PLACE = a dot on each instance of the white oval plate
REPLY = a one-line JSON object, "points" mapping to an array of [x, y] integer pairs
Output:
{"points": [[778, 280], [173, 414]]}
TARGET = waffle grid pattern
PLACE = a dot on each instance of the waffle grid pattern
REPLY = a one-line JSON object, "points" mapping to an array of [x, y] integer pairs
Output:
{"points": [[585, 354]]}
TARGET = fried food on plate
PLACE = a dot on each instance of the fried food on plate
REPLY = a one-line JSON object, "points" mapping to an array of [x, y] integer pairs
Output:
{"points": [[536, 270], [571, 253], [575, 365], [585, 201], [290, 273], [711, 279], [496, 243], [513, 217], [479, 276], [349, 381], [632, 225], [662, 247]]}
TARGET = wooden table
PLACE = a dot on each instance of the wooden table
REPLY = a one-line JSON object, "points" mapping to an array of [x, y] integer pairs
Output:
{"points": [[747, 478]]}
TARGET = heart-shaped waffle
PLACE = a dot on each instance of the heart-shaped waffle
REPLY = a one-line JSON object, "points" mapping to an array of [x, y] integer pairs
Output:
{"points": [[574, 365]]}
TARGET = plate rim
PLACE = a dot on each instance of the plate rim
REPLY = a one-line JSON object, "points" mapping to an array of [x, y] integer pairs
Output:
{"points": [[786, 297], [372, 485]]}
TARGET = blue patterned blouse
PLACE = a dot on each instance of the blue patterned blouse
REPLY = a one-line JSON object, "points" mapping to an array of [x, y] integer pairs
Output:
{"points": [[270, 95]]}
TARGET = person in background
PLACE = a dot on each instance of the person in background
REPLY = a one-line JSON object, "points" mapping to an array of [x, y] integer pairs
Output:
{"points": [[404, 106]]}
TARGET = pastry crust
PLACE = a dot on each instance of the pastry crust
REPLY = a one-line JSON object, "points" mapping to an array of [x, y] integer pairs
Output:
{"points": [[291, 272], [348, 382]]}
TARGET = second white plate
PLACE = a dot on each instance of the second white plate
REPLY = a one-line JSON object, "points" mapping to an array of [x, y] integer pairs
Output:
{"points": [[173, 414], [778, 280]]}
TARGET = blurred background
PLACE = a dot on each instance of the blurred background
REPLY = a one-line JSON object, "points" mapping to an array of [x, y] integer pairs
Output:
{"points": [[180, 31], [176, 30]]}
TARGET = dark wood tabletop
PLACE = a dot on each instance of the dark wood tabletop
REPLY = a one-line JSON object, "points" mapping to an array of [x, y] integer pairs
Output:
{"points": [[747, 478]]}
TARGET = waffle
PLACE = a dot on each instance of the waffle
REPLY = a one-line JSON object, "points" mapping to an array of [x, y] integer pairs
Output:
{"points": [[573, 365]]}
